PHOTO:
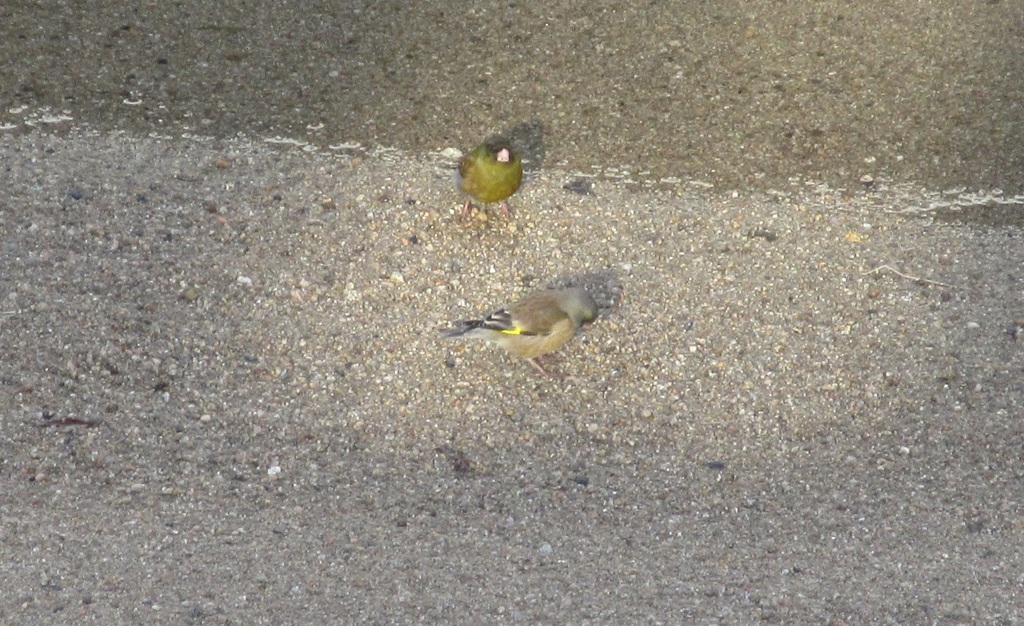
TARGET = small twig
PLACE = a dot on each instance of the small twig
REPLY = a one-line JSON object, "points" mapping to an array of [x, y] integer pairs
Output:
{"points": [[907, 276], [71, 421]]}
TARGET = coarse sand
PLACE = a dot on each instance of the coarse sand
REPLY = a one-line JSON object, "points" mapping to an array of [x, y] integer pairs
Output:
{"points": [[226, 399], [230, 244]]}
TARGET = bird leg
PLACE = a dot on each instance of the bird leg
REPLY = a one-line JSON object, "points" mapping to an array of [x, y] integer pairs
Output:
{"points": [[465, 208], [540, 368], [505, 210]]}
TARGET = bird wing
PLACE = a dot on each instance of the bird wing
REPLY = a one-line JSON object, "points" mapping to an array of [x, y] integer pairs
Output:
{"points": [[466, 166], [497, 323], [503, 322], [537, 314]]}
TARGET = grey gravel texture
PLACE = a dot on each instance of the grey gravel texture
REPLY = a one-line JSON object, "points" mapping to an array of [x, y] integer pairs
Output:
{"points": [[230, 243], [227, 400]]}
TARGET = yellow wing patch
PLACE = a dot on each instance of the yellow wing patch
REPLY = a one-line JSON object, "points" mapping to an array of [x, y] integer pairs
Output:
{"points": [[519, 330]]}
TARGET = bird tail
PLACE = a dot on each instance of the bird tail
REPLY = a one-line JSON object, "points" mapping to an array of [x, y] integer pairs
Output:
{"points": [[468, 328]]}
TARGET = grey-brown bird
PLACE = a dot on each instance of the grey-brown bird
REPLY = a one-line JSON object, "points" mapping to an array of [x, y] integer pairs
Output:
{"points": [[492, 172], [534, 326]]}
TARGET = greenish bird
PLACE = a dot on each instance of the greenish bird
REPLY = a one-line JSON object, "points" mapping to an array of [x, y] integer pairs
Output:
{"points": [[538, 324], [492, 172]]}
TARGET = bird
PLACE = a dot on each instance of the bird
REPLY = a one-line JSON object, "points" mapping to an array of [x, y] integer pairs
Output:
{"points": [[492, 172], [534, 326]]}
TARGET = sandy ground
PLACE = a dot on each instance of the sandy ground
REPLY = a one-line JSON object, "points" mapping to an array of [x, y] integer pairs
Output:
{"points": [[227, 400], [224, 393]]}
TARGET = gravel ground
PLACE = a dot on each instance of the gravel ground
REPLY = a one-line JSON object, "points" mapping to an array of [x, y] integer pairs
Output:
{"points": [[736, 93], [227, 400], [229, 243]]}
